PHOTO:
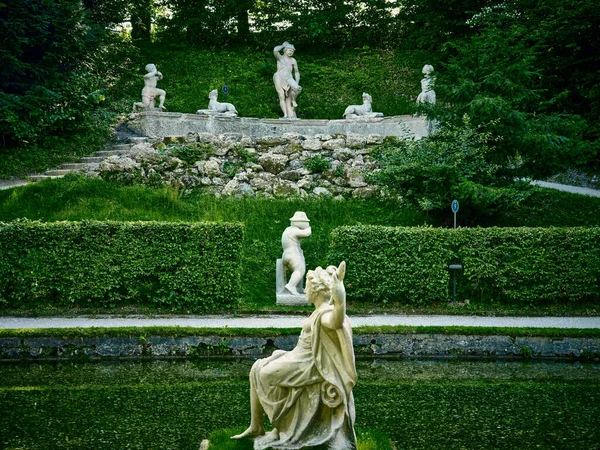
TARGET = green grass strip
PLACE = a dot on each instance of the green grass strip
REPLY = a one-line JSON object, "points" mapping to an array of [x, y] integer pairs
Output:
{"points": [[93, 332]]}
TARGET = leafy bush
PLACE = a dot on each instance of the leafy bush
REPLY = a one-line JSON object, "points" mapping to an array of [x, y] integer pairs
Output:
{"points": [[174, 265], [451, 164], [191, 153], [506, 265], [317, 164]]}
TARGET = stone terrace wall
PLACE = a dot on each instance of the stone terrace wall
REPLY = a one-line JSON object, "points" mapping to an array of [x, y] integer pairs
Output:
{"points": [[269, 166], [157, 125], [411, 346]]}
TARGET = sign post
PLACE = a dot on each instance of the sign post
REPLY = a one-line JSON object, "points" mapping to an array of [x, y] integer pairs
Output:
{"points": [[225, 90], [454, 210]]}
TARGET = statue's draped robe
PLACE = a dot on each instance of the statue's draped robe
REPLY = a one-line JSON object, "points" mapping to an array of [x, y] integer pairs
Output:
{"points": [[307, 392]]}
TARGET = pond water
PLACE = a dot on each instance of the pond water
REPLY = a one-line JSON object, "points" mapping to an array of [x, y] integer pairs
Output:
{"points": [[420, 404]]}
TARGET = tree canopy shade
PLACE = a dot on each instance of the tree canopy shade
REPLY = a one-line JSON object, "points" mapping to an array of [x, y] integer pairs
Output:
{"points": [[508, 76]]}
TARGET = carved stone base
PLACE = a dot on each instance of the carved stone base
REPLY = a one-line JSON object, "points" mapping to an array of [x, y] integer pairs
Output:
{"points": [[289, 299], [210, 112]]}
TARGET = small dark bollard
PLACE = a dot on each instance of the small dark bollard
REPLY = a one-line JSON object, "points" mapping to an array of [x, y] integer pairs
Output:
{"points": [[454, 269]]}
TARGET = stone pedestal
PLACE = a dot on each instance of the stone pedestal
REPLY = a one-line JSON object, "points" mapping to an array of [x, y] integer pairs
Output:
{"points": [[283, 296]]}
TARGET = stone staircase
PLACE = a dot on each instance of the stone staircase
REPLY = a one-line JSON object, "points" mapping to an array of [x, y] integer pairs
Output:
{"points": [[89, 165]]}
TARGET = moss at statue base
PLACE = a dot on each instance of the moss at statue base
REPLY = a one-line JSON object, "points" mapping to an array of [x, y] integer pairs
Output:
{"points": [[368, 439]]}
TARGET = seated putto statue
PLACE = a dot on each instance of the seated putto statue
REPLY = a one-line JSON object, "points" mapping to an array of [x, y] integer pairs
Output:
{"points": [[286, 79], [218, 108], [427, 94], [150, 91], [293, 258], [364, 110], [307, 392]]}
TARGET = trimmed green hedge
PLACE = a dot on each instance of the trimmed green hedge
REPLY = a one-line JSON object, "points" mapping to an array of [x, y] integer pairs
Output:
{"points": [[509, 265], [93, 263]]}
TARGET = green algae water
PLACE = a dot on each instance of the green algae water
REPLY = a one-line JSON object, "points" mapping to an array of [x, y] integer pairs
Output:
{"points": [[419, 404]]}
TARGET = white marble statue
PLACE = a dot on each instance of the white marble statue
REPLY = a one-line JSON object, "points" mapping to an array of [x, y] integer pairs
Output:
{"points": [[427, 94], [293, 258], [217, 108], [307, 392], [364, 110], [150, 91], [286, 79]]}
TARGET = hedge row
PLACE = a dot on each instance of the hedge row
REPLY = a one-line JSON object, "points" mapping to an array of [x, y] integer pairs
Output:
{"points": [[509, 265], [107, 264]]}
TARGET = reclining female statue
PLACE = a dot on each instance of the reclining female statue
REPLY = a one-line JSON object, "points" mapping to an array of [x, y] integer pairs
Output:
{"points": [[307, 392]]}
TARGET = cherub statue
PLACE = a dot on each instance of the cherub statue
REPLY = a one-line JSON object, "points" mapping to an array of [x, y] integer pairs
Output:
{"points": [[307, 392], [150, 91], [293, 257], [427, 94], [364, 110], [286, 79]]}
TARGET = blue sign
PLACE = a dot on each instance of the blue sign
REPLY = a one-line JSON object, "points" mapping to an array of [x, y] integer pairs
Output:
{"points": [[454, 206], [225, 89]]}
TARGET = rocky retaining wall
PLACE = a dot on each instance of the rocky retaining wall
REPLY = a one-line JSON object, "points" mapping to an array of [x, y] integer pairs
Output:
{"points": [[397, 345], [160, 124], [290, 165]]}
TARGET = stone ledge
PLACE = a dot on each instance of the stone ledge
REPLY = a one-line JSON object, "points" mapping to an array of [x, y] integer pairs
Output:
{"points": [[396, 345], [157, 125]]}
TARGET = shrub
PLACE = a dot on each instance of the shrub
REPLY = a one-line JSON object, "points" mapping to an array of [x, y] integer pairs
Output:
{"points": [[507, 265], [451, 164], [317, 164], [174, 265]]}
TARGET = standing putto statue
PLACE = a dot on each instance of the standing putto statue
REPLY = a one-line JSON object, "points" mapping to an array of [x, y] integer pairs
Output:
{"points": [[427, 94], [307, 392], [292, 260], [364, 110], [150, 91], [286, 79]]}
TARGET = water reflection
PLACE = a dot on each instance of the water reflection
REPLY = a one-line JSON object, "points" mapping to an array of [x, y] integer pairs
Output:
{"points": [[167, 372]]}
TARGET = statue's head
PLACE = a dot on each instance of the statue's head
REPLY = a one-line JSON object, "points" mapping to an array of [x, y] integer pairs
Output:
{"points": [[366, 98], [319, 282], [213, 94], [427, 69], [288, 49], [300, 220], [150, 67]]}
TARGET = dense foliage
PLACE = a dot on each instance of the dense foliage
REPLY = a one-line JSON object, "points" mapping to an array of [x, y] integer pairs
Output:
{"points": [[193, 266], [528, 78], [59, 73], [501, 265], [454, 163]]}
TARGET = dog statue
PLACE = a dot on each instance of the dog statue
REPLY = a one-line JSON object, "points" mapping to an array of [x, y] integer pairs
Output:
{"points": [[216, 108], [364, 110]]}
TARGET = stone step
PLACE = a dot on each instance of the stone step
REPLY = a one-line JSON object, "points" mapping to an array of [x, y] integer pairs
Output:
{"points": [[92, 159], [58, 172], [81, 166], [138, 139], [107, 153], [120, 146], [35, 178]]}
